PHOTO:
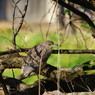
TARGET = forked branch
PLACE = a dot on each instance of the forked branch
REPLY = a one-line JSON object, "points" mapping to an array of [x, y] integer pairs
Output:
{"points": [[21, 21]]}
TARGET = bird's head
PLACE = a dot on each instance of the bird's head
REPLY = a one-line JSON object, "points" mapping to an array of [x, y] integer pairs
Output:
{"points": [[49, 44]]}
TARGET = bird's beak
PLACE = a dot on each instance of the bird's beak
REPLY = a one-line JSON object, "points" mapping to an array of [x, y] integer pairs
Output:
{"points": [[56, 45]]}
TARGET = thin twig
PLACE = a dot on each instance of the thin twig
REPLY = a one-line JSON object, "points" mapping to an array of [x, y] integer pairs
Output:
{"points": [[21, 22], [50, 21]]}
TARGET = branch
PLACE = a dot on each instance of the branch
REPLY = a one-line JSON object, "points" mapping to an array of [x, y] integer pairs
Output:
{"points": [[62, 51], [14, 51], [69, 82], [78, 79], [21, 22], [3, 85], [11, 59], [84, 16], [73, 51], [84, 3], [16, 87]]}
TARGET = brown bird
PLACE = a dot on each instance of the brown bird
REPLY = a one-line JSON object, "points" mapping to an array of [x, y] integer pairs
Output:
{"points": [[37, 56]]}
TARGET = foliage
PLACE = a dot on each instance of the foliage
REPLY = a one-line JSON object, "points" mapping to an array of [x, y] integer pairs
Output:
{"points": [[25, 40]]}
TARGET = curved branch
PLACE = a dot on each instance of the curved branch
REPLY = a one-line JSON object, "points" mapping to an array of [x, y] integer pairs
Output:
{"points": [[84, 3], [84, 16]]}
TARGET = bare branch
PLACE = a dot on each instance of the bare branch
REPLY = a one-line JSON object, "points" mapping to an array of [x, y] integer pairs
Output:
{"points": [[62, 51], [3, 85], [85, 3], [14, 51], [13, 23], [76, 82], [21, 22], [74, 51], [84, 16], [11, 59]]}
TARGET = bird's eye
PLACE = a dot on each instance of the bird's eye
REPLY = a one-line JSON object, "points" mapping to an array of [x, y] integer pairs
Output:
{"points": [[49, 44]]}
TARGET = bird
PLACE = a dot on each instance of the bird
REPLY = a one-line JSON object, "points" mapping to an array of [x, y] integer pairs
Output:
{"points": [[37, 56]]}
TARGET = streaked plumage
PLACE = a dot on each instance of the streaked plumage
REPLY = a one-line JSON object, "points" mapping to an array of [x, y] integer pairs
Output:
{"points": [[37, 55]]}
